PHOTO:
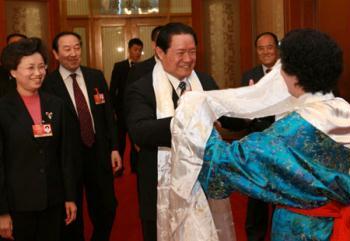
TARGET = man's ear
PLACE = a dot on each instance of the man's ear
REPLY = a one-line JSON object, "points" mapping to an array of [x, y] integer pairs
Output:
{"points": [[160, 53], [55, 54], [13, 73]]}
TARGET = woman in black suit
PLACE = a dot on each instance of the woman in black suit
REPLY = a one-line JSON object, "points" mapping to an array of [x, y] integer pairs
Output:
{"points": [[36, 178]]}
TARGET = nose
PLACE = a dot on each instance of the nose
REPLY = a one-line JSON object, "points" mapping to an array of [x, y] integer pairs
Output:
{"points": [[187, 57]]}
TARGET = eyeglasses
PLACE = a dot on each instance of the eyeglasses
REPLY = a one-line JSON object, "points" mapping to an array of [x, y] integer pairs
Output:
{"points": [[40, 68]]}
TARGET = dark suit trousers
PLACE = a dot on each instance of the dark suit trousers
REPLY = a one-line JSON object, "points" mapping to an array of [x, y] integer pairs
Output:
{"points": [[122, 134], [38, 225], [257, 220], [149, 230], [102, 216]]}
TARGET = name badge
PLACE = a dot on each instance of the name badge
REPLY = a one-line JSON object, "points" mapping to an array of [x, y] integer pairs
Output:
{"points": [[99, 98], [42, 130]]}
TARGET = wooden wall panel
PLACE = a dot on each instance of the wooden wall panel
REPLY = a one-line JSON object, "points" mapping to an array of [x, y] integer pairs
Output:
{"points": [[197, 24], [334, 18], [246, 35], [2, 24]]}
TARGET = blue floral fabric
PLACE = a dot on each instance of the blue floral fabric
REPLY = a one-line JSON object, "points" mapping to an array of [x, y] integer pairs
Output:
{"points": [[291, 163]]}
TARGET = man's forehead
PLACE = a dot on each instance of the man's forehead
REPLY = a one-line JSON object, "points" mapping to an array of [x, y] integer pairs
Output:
{"points": [[179, 40], [68, 40]]}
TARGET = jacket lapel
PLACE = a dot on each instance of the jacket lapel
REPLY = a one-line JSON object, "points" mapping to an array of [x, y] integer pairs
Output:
{"points": [[61, 90], [90, 87]]}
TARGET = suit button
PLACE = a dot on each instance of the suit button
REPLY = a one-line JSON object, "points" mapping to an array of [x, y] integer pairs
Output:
{"points": [[42, 170]]}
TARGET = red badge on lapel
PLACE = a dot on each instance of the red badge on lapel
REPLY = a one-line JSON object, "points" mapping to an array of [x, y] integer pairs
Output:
{"points": [[99, 98], [42, 130]]}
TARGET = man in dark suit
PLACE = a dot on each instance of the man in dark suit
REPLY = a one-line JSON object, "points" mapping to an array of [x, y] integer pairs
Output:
{"points": [[85, 92], [143, 68], [176, 49], [266, 45], [117, 88]]}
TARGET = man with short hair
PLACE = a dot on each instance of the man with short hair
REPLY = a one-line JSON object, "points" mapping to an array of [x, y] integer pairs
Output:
{"points": [[85, 92], [266, 45], [144, 67], [151, 102], [117, 88]]}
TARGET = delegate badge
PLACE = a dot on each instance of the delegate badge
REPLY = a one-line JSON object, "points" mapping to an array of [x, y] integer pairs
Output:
{"points": [[99, 98], [42, 130]]}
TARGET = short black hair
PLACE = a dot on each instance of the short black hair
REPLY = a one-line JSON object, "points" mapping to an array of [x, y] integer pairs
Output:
{"points": [[135, 41], [314, 58], [155, 33], [12, 35], [274, 36], [61, 34], [13, 53], [167, 31]]}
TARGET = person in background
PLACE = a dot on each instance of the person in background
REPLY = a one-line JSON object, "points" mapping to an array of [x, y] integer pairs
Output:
{"points": [[266, 44], [301, 163], [144, 67], [36, 163], [117, 88], [6, 83], [85, 93]]}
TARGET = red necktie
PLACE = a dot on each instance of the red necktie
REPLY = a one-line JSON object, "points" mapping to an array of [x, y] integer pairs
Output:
{"points": [[86, 129]]}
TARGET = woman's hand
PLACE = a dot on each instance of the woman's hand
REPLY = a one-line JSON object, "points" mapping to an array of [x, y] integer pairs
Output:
{"points": [[6, 226], [71, 212]]}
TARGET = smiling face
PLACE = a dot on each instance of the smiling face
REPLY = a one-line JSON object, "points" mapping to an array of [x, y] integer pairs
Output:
{"points": [[69, 52], [29, 74], [180, 58], [267, 50]]}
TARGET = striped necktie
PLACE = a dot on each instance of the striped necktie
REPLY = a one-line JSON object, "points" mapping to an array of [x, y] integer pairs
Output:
{"points": [[86, 129]]}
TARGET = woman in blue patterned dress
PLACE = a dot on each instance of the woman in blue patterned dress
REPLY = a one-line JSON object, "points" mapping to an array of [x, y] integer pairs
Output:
{"points": [[301, 163]]}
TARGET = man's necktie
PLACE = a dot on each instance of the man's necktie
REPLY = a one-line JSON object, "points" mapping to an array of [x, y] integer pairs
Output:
{"points": [[267, 70], [86, 129], [182, 87]]}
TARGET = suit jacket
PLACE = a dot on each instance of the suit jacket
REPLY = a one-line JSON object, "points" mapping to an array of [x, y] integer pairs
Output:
{"points": [[117, 87], [149, 133], [6, 83], [256, 74], [103, 116], [34, 172], [141, 69]]}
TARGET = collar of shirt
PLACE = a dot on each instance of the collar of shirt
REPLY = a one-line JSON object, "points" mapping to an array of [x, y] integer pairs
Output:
{"points": [[265, 67], [65, 73], [175, 83]]}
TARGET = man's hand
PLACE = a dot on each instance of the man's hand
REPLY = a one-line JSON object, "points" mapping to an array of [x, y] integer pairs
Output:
{"points": [[6, 226], [71, 212], [116, 161], [251, 82]]}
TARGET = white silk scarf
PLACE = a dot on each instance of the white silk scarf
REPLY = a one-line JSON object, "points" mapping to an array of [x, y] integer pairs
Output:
{"points": [[178, 219]]}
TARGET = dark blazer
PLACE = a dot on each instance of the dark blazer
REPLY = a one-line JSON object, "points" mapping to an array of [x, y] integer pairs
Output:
{"points": [[118, 85], [7, 84], [103, 115], [255, 73], [149, 133], [141, 69], [34, 172]]}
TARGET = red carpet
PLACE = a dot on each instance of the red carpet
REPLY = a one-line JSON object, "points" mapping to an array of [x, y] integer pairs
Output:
{"points": [[127, 224]]}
